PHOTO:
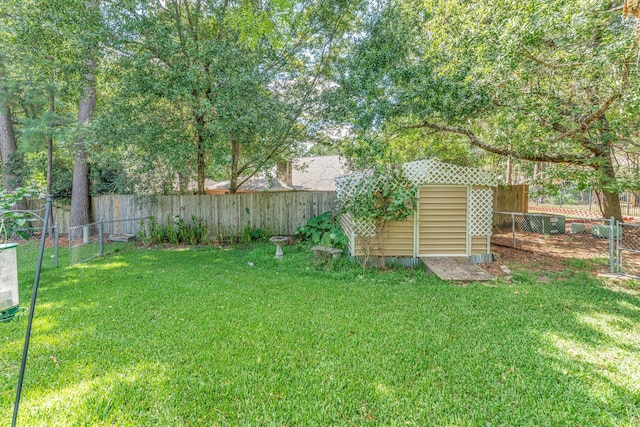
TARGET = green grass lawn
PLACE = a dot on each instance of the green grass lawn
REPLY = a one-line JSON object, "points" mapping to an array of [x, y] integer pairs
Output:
{"points": [[234, 337]]}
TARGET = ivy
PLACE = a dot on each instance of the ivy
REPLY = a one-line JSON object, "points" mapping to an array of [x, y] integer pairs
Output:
{"points": [[384, 194]]}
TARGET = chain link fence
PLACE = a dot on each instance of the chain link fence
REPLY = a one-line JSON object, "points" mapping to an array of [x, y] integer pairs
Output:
{"points": [[97, 239], [627, 236], [574, 237], [586, 201], [28, 238]]}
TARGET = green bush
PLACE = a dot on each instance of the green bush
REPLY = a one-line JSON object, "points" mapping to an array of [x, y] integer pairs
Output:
{"points": [[323, 230], [260, 234]]}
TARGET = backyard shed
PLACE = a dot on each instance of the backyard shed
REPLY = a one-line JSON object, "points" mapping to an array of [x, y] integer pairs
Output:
{"points": [[453, 216]]}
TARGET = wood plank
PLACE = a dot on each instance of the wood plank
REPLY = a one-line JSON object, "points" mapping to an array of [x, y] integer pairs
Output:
{"points": [[458, 269]]}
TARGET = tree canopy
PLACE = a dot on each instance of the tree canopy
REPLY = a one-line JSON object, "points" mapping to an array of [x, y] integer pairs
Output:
{"points": [[191, 89], [541, 81]]}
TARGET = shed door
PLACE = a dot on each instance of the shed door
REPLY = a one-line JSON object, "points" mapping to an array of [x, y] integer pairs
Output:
{"points": [[442, 223]]}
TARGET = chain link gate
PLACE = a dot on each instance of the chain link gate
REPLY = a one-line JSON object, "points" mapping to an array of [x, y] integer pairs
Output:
{"points": [[626, 249], [97, 239]]}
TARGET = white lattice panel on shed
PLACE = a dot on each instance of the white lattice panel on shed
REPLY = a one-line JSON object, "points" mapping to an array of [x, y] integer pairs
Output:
{"points": [[364, 228], [435, 172], [480, 212], [423, 172]]}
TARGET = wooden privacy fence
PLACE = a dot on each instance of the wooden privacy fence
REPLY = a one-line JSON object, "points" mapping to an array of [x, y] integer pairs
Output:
{"points": [[59, 214], [227, 215], [224, 215], [511, 198]]}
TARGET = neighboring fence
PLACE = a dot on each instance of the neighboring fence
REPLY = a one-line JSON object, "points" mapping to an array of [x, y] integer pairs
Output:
{"points": [[59, 212], [224, 215], [103, 237], [584, 201]]}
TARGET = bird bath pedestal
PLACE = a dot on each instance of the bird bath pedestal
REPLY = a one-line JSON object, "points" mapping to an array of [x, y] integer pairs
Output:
{"points": [[278, 241]]}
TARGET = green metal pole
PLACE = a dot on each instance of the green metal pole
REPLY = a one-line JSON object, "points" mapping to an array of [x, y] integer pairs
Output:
{"points": [[34, 295]]}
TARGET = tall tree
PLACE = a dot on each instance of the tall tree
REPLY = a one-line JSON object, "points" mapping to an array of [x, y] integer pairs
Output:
{"points": [[8, 145], [45, 42], [544, 81], [89, 44], [80, 201], [233, 80]]}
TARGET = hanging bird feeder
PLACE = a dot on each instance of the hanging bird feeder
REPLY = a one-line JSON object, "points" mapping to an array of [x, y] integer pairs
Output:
{"points": [[9, 302]]}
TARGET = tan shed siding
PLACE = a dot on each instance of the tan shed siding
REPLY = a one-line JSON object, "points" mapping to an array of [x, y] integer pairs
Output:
{"points": [[358, 247], [396, 239], [479, 245], [443, 220]]}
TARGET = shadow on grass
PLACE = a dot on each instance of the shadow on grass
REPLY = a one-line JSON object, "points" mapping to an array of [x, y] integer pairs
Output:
{"points": [[208, 337]]}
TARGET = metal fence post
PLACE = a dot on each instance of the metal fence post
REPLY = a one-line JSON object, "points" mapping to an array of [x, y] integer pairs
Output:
{"points": [[618, 251], [612, 227], [101, 232], [560, 196], [628, 202], [56, 237], [70, 242], [513, 229]]}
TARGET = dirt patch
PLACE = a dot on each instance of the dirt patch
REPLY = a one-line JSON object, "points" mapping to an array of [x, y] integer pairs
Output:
{"points": [[550, 253]]}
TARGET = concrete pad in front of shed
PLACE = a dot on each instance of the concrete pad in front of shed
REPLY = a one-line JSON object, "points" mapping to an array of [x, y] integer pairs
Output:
{"points": [[458, 269]]}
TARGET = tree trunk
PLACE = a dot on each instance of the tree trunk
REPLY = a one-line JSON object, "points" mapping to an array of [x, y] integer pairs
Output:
{"points": [[201, 165], [8, 148], [52, 110], [8, 144], [610, 200], [509, 168], [80, 202], [11, 158], [235, 155], [201, 156], [611, 205]]}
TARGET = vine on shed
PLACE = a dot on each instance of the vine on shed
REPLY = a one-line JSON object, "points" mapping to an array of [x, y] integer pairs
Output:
{"points": [[384, 194]]}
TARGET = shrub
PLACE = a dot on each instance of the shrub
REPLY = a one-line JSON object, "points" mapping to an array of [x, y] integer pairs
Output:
{"points": [[323, 230]]}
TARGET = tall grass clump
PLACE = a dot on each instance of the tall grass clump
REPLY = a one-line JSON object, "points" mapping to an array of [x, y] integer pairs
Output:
{"points": [[176, 231]]}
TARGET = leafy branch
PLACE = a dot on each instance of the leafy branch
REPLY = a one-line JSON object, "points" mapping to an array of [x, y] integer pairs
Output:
{"points": [[385, 193], [12, 222]]}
